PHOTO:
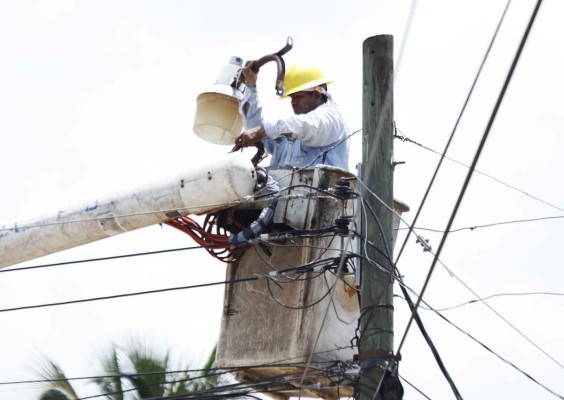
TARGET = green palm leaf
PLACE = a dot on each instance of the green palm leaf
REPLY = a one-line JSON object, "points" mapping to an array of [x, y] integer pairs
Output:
{"points": [[57, 383], [54, 394], [136, 369]]}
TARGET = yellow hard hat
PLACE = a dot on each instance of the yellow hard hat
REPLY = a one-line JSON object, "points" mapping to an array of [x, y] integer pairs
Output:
{"points": [[302, 77]]}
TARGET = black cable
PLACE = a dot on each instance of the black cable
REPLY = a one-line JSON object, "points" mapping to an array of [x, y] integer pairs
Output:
{"points": [[216, 389], [253, 384], [302, 233], [140, 374], [117, 296], [108, 393], [497, 355], [492, 296], [433, 349], [479, 342], [414, 387], [365, 240], [221, 371], [499, 315], [454, 128], [471, 228], [295, 307], [317, 258], [78, 378], [476, 157], [107, 258], [288, 188], [430, 343], [482, 344], [275, 244], [404, 138], [413, 308]]}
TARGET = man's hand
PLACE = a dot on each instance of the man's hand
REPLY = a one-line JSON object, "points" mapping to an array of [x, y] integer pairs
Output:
{"points": [[251, 74], [249, 138]]}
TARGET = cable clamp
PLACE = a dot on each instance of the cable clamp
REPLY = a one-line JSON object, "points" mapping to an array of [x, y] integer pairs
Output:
{"points": [[424, 243]]}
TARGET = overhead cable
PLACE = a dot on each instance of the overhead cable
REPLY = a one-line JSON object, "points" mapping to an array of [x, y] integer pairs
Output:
{"points": [[497, 355], [404, 138], [472, 291], [471, 228], [454, 128], [394, 270], [146, 292], [107, 258], [122, 295], [495, 295], [475, 161]]}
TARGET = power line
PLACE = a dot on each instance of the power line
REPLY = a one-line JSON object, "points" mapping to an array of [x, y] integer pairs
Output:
{"points": [[414, 387], [230, 388], [484, 346], [219, 371], [482, 299], [323, 369], [436, 259], [471, 228], [455, 127], [412, 307], [122, 295], [299, 269], [497, 355], [404, 138], [476, 157], [266, 384], [148, 253], [107, 258], [126, 375]]}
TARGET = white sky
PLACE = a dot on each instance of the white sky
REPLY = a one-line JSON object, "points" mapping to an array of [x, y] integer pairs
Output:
{"points": [[98, 97]]}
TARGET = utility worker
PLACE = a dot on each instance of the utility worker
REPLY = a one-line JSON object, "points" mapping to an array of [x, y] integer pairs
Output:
{"points": [[315, 134]]}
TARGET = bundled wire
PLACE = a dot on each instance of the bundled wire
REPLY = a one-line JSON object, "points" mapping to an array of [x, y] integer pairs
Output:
{"points": [[211, 236], [217, 240]]}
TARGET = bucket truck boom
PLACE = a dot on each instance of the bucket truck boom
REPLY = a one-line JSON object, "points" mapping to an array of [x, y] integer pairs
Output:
{"points": [[200, 190]]}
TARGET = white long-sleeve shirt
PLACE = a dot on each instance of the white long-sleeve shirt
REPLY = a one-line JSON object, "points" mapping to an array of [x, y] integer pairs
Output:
{"points": [[318, 137]]}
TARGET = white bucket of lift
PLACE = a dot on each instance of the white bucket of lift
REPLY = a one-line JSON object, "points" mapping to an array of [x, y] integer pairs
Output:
{"points": [[217, 118]]}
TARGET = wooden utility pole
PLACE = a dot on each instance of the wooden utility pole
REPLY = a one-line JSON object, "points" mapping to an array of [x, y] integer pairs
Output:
{"points": [[376, 298]]}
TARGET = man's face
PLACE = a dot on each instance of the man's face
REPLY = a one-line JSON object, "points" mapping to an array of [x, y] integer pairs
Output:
{"points": [[304, 102]]}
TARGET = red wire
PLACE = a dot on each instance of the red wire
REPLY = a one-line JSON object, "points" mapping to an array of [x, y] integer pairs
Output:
{"points": [[217, 244]]}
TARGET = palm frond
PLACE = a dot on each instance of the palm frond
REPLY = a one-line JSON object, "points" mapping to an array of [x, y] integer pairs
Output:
{"points": [[150, 367], [112, 383], [56, 380], [54, 394]]}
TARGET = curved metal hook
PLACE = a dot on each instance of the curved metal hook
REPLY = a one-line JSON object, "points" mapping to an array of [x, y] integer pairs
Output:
{"points": [[281, 68]]}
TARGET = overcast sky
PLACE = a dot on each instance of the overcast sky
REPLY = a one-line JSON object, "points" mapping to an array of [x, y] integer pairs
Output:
{"points": [[99, 97]]}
